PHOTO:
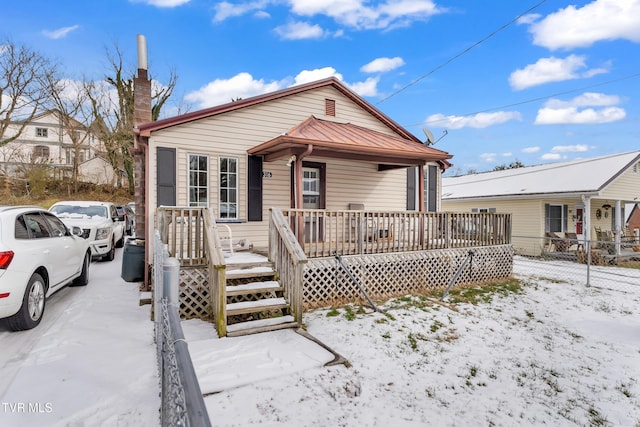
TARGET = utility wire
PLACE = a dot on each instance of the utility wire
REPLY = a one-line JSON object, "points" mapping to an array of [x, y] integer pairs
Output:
{"points": [[461, 53], [540, 98]]}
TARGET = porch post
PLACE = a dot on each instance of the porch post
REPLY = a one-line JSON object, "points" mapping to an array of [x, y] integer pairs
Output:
{"points": [[618, 225], [297, 188], [586, 218], [421, 203]]}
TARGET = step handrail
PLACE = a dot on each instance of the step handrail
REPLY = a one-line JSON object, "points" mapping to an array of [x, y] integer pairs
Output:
{"points": [[289, 261], [217, 274]]}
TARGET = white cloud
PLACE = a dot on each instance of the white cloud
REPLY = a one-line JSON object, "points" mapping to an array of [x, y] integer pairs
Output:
{"points": [[381, 65], [162, 3], [299, 31], [480, 120], [551, 156], [356, 14], [221, 91], [530, 149], [60, 32], [578, 110], [590, 99], [243, 85], [598, 20], [552, 69], [578, 148], [367, 88], [225, 10], [307, 76]]}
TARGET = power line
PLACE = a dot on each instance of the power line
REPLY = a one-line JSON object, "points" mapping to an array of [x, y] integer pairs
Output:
{"points": [[461, 53], [540, 98]]}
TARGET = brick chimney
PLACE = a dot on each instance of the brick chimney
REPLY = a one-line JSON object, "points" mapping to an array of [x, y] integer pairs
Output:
{"points": [[141, 115]]}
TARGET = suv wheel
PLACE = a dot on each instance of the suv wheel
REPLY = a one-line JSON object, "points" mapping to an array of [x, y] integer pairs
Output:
{"points": [[32, 308]]}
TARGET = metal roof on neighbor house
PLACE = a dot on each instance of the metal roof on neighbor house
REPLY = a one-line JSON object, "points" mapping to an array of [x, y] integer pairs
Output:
{"points": [[583, 176], [328, 138]]}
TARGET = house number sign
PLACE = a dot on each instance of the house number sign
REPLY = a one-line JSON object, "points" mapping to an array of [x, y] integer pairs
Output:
{"points": [[266, 174]]}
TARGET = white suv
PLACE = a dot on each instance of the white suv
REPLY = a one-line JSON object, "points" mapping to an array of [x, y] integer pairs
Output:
{"points": [[99, 222], [38, 256]]}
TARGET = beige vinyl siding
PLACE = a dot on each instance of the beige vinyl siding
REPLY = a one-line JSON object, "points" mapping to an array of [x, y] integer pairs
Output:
{"points": [[625, 187], [232, 134]]}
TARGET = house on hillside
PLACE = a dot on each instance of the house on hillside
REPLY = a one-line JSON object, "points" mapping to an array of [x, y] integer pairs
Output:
{"points": [[579, 196], [100, 171]]}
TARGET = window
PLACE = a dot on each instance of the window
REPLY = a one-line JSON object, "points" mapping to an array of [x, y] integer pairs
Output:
{"points": [[556, 218], [42, 132], [198, 180], [431, 188], [228, 187], [311, 188], [480, 210], [41, 151]]}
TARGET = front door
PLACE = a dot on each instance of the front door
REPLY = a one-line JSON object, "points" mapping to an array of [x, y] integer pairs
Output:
{"points": [[579, 219]]}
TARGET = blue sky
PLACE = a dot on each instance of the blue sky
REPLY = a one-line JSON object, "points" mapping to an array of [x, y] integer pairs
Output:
{"points": [[561, 82]]}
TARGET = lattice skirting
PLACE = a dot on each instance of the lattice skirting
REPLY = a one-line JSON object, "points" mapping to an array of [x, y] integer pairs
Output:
{"points": [[383, 276], [390, 275], [194, 293]]}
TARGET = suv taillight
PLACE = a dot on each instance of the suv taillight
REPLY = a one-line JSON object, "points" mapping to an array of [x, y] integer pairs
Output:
{"points": [[5, 259]]}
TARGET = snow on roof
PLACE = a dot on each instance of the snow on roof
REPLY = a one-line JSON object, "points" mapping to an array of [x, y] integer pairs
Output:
{"points": [[577, 176]]}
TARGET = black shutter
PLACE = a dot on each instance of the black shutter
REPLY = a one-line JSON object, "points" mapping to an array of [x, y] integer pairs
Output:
{"points": [[565, 217], [411, 189], [254, 193], [166, 176], [432, 182]]}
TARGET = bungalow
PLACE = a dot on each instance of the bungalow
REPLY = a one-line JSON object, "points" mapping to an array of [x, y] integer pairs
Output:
{"points": [[305, 173], [581, 196]]}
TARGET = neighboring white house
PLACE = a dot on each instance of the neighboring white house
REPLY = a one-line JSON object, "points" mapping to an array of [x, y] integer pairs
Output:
{"points": [[99, 171], [567, 197], [45, 141]]}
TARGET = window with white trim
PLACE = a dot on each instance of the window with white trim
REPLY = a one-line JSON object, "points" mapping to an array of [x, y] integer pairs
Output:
{"points": [[198, 180], [228, 188], [556, 218]]}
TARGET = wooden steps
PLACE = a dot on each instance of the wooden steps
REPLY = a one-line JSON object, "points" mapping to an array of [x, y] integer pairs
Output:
{"points": [[255, 301]]}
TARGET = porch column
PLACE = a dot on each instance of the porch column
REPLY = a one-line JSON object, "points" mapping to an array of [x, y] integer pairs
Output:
{"points": [[586, 218], [618, 225], [297, 197]]}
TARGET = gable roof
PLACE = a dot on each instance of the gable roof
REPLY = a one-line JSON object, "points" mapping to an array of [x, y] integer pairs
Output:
{"points": [[584, 176], [147, 128], [328, 138]]}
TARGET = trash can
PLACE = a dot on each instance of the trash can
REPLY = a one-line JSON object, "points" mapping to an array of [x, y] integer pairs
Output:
{"points": [[133, 261]]}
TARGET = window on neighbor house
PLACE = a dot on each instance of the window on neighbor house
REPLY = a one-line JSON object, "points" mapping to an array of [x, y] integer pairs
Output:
{"points": [[42, 132], [556, 218], [198, 180], [41, 151], [228, 188]]}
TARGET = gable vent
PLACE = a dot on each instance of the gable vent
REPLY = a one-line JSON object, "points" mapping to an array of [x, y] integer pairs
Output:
{"points": [[330, 107]]}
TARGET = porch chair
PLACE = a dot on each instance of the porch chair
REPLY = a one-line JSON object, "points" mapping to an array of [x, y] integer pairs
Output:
{"points": [[572, 239], [555, 242]]}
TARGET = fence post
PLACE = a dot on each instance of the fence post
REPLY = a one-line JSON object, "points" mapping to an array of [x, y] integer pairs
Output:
{"points": [[588, 248], [171, 279]]}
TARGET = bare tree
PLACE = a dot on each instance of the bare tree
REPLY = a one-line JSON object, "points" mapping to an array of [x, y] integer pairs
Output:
{"points": [[113, 106], [25, 88]]}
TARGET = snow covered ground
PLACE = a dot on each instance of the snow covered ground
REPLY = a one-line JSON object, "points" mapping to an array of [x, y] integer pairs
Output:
{"points": [[91, 362], [557, 354]]}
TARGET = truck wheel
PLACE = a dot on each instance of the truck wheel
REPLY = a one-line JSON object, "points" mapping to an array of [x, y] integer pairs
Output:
{"points": [[112, 252]]}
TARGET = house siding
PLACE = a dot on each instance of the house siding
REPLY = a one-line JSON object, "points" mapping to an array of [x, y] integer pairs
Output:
{"points": [[627, 183], [231, 134]]}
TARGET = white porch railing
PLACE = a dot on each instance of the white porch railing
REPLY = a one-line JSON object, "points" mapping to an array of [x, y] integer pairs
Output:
{"points": [[346, 232]]}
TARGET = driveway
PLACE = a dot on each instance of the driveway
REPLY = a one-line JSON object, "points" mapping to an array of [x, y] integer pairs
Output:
{"points": [[92, 360]]}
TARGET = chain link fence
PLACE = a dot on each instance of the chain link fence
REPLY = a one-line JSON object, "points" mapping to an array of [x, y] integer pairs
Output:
{"points": [[594, 263], [181, 398]]}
